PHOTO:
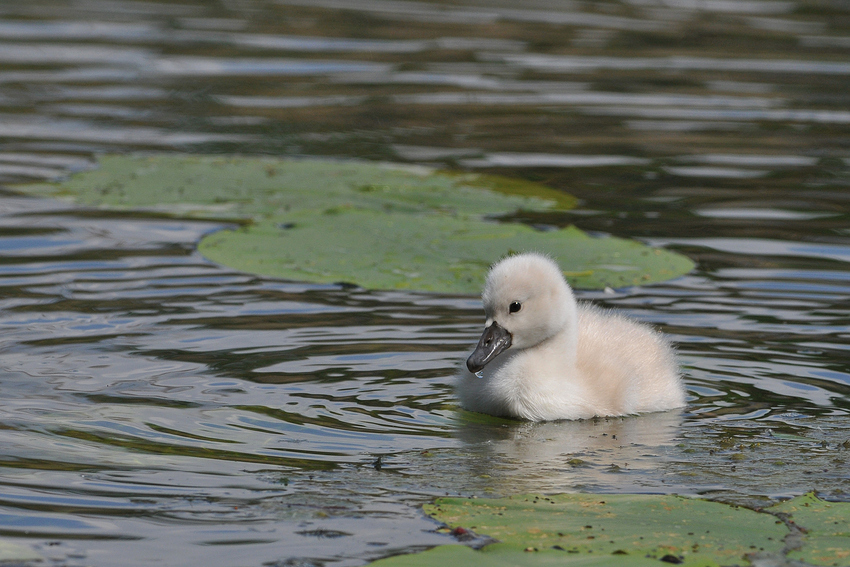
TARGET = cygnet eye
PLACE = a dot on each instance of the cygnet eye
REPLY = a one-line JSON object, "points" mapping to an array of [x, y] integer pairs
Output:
{"points": [[515, 306]]}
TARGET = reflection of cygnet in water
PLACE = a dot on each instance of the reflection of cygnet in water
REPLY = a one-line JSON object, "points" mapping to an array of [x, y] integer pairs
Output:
{"points": [[627, 454], [544, 357]]}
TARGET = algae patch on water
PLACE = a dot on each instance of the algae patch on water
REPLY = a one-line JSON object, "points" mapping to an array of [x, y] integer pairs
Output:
{"points": [[636, 529], [379, 226]]}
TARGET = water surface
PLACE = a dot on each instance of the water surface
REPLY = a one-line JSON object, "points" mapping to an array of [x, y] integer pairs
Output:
{"points": [[158, 408]]}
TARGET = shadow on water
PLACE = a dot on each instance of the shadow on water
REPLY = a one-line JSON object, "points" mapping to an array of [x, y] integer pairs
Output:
{"points": [[160, 407]]}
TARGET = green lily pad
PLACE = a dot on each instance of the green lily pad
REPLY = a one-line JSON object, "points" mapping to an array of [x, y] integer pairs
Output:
{"points": [[440, 253], [375, 225], [693, 531], [252, 188], [628, 529], [826, 526], [505, 555]]}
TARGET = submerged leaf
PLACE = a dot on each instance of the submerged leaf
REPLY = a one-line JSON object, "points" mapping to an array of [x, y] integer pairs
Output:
{"points": [[375, 225], [15, 553]]}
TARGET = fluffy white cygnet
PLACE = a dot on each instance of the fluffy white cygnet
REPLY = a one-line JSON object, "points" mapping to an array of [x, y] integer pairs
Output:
{"points": [[543, 357]]}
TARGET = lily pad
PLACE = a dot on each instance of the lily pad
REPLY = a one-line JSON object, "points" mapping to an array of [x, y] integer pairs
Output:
{"points": [[441, 253], [628, 529], [376, 225], [826, 526], [687, 530], [252, 188], [505, 555]]}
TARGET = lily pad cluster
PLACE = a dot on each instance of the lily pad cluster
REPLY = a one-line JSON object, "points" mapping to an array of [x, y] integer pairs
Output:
{"points": [[630, 529], [376, 225]]}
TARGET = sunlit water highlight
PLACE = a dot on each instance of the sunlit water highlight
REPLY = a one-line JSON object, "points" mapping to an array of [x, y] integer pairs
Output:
{"points": [[157, 408]]}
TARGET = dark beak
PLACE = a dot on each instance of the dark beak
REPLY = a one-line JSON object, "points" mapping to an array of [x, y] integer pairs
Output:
{"points": [[494, 340]]}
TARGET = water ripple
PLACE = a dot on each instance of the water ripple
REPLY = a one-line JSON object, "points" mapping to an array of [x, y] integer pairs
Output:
{"points": [[156, 406]]}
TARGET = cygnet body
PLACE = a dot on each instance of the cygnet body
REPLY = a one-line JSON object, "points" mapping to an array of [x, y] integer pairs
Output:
{"points": [[544, 357]]}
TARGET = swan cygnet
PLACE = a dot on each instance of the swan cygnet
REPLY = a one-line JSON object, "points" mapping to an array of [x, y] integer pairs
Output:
{"points": [[544, 357]]}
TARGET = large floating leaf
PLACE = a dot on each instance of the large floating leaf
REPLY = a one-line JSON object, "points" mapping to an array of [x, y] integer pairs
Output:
{"points": [[506, 555], [255, 187], [826, 526], [429, 252], [374, 225], [688, 529], [626, 529]]}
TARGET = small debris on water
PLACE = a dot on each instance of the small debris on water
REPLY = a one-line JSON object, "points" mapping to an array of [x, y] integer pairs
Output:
{"points": [[463, 534]]}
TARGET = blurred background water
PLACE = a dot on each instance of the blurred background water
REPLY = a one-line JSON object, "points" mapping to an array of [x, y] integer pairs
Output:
{"points": [[159, 409]]}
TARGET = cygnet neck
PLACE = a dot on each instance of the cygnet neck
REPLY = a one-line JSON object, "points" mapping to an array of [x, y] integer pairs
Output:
{"points": [[566, 337]]}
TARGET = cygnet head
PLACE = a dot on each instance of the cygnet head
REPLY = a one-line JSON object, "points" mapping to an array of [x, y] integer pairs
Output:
{"points": [[526, 302]]}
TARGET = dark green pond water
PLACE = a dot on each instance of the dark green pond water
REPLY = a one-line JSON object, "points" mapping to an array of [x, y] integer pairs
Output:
{"points": [[156, 408]]}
